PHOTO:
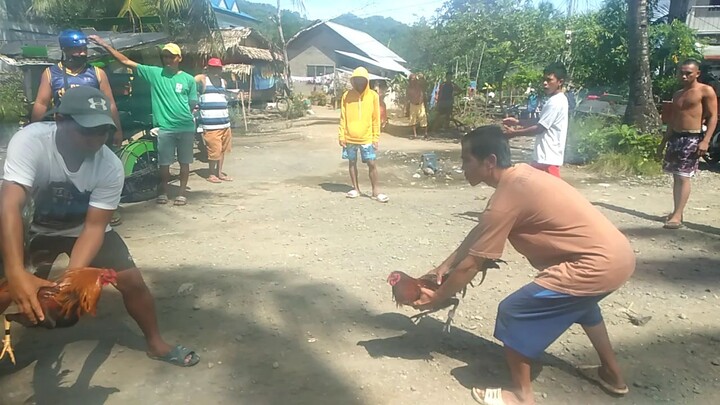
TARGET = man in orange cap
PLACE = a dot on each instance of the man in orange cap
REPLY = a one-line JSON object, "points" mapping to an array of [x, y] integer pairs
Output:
{"points": [[174, 97], [215, 118]]}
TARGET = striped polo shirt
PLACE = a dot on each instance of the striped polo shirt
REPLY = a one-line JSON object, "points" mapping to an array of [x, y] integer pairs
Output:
{"points": [[214, 106]]}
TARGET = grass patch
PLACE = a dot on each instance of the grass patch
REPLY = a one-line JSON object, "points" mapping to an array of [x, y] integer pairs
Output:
{"points": [[611, 148], [622, 164]]}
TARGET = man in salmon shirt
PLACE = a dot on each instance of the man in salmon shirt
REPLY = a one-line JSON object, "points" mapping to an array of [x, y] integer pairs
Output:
{"points": [[360, 130], [581, 257]]}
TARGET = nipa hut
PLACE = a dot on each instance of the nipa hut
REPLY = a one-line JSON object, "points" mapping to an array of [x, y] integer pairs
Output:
{"points": [[250, 64]]}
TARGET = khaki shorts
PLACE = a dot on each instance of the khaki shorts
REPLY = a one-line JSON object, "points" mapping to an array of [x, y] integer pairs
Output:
{"points": [[218, 142], [418, 115]]}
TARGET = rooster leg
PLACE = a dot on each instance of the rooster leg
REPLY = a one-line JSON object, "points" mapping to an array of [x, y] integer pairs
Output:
{"points": [[7, 345], [451, 315], [416, 318]]}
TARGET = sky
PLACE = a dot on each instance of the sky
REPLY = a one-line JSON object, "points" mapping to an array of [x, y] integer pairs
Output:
{"points": [[407, 11]]}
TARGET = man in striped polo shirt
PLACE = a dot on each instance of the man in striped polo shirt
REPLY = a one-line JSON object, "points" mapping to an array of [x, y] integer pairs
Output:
{"points": [[214, 118]]}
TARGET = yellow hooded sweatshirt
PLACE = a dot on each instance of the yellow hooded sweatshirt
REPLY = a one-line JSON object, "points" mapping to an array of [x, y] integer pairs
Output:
{"points": [[360, 114]]}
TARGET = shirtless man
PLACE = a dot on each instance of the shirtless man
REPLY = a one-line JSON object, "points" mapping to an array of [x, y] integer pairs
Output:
{"points": [[692, 106]]}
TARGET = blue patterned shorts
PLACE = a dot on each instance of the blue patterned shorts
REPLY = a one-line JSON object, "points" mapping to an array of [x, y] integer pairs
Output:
{"points": [[681, 156], [367, 152]]}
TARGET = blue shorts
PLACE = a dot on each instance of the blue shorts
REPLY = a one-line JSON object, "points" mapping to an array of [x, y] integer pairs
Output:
{"points": [[367, 152], [169, 142], [532, 318]]}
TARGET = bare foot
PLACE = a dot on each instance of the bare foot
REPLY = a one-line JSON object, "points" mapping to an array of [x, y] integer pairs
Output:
{"points": [[508, 397]]}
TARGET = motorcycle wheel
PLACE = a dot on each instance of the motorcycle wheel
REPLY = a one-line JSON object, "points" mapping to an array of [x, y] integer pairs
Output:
{"points": [[142, 172], [283, 105]]}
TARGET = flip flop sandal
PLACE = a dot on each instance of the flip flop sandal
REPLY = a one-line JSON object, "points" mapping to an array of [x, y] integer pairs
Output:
{"points": [[381, 198], [493, 396], [592, 374], [116, 219], [214, 179], [178, 356], [226, 178], [673, 225], [180, 201], [352, 194], [162, 199]]}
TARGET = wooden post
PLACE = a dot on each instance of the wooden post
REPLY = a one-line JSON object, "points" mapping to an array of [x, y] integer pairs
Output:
{"points": [[242, 106], [251, 88]]}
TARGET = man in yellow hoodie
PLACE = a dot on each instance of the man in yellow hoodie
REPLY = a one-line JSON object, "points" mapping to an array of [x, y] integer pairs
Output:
{"points": [[360, 130]]}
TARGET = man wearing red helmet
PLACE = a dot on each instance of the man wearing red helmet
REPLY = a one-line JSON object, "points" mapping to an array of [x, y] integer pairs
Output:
{"points": [[214, 118]]}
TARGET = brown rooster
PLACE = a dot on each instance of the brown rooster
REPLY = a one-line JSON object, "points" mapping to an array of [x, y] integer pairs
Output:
{"points": [[406, 290], [75, 294]]}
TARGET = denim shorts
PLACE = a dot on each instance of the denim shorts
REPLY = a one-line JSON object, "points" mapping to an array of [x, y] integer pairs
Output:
{"points": [[533, 317], [367, 152], [169, 142]]}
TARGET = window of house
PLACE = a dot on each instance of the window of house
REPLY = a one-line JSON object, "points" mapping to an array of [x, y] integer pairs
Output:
{"points": [[319, 70]]}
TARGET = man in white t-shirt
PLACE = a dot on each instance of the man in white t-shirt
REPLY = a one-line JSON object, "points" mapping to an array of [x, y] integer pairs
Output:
{"points": [[74, 183], [550, 130]]}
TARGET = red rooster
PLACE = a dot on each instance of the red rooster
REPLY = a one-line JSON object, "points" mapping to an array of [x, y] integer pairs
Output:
{"points": [[406, 290], [75, 294]]}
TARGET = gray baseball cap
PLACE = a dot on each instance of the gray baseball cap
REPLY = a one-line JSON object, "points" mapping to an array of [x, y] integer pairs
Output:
{"points": [[87, 106]]}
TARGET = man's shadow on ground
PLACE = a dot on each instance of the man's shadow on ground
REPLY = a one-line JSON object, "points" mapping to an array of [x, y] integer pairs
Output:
{"points": [[335, 187], [485, 359], [655, 218]]}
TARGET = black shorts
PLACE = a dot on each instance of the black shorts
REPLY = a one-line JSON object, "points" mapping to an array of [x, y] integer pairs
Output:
{"points": [[113, 254]]}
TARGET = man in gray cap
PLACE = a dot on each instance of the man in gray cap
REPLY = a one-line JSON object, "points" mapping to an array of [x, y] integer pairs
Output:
{"points": [[74, 182]]}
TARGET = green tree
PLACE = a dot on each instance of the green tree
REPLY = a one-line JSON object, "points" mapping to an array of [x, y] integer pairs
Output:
{"points": [[600, 47], [181, 18], [505, 35]]}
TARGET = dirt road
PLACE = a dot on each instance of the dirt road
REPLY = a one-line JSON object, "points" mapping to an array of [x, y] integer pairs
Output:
{"points": [[289, 303]]}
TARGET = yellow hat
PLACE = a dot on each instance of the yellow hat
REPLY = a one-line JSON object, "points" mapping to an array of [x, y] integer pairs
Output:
{"points": [[173, 49]]}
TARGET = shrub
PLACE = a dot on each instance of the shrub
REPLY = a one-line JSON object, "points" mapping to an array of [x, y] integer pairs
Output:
{"points": [[13, 106], [318, 98], [298, 106], [611, 147]]}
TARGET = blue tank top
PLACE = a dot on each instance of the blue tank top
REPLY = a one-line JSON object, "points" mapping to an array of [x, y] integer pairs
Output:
{"points": [[60, 80]]}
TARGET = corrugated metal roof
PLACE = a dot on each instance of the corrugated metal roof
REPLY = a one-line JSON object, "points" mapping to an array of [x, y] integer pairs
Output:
{"points": [[231, 7], [383, 63], [119, 41], [369, 45]]}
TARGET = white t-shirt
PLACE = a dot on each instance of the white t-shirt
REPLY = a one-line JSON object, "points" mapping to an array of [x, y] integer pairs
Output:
{"points": [[550, 145], [61, 197]]}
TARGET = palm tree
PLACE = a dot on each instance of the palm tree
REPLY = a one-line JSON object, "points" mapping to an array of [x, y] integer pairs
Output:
{"points": [[194, 18], [300, 6], [641, 111]]}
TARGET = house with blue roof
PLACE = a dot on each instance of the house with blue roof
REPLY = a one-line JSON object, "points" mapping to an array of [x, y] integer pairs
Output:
{"points": [[229, 15]]}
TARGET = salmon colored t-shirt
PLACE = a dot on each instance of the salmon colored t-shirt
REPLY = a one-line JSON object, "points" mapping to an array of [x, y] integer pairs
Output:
{"points": [[577, 250]]}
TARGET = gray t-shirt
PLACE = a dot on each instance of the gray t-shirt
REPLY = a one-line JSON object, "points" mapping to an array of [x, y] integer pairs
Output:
{"points": [[61, 197]]}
